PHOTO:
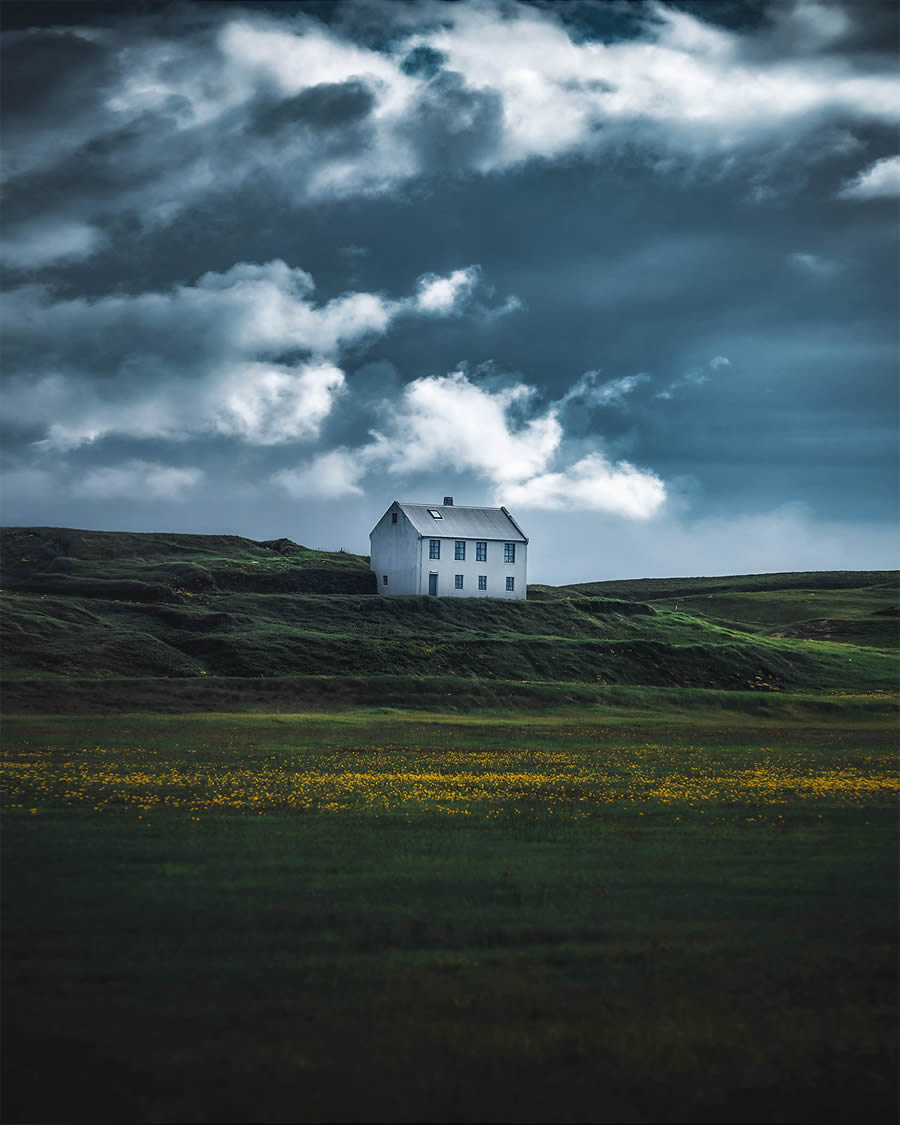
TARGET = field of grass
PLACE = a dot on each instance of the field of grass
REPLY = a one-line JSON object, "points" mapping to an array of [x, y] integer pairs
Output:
{"points": [[278, 849], [612, 914]]}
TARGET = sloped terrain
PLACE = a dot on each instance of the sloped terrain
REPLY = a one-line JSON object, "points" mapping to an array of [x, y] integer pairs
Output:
{"points": [[99, 605], [655, 589], [852, 607], [135, 566]]}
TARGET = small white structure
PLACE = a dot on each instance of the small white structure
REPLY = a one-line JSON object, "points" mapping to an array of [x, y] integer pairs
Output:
{"points": [[449, 551]]}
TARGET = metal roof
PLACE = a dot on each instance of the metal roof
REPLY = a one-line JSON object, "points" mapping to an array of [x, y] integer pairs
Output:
{"points": [[463, 523]]}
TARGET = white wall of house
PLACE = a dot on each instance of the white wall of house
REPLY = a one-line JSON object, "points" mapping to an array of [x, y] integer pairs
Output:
{"points": [[395, 549], [447, 567]]}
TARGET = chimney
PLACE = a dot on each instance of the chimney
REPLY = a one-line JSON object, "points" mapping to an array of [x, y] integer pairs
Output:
{"points": [[448, 501]]}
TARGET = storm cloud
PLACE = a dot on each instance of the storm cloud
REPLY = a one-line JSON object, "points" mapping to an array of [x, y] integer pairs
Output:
{"points": [[630, 270]]}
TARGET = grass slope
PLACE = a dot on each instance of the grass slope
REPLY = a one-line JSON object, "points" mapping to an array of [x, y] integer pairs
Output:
{"points": [[81, 605], [851, 606], [653, 589], [153, 567]]}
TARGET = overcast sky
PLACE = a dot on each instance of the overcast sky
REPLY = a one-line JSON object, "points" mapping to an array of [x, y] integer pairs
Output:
{"points": [[628, 269]]}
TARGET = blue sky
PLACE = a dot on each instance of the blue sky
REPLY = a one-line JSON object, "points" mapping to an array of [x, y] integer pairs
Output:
{"points": [[629, 269]]}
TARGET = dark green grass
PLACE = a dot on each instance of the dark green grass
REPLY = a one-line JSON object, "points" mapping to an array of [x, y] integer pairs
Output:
{"points": [[277, 635], [151, 567], [81, 605], [655, 589], [646, 961], [862, 616], [850, 607], [449, 695]]}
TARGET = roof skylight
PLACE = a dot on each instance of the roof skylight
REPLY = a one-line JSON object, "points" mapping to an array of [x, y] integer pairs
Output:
{"points": [[435, 514]]}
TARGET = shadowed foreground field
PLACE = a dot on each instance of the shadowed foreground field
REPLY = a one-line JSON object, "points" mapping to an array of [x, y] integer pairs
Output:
{"points": [[375, 916]]}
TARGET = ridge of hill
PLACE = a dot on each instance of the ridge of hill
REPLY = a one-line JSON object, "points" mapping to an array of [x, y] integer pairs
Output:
{"points": [[162, 566], [653, 589], [88, 605]]}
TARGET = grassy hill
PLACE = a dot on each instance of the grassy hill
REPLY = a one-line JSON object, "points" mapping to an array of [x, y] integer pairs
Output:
{"points": [[138, 566], [82, 608], [854, 606]]}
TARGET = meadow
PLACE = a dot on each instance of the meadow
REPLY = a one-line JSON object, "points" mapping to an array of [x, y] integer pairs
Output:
{"points": [[278, 849], [597, 914]]}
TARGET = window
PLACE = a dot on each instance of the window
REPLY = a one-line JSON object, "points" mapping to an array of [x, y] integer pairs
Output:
{"points": [[480, 552], [393, 517], [434, 548], [509, 553], [460, 549], [458, 583], [510, 583], [384, 580], [435, 514], [482, 581]]}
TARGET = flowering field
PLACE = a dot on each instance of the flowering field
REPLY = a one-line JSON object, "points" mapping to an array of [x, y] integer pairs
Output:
{"points": [[375, 916], [409, 780]]}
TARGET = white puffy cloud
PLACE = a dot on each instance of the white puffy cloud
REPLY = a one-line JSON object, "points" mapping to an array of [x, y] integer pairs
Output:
{"points": [[447, 421], [591, 484], [329, 476], [267, 404], [137, 480], [301, 55], [442, 294], [880, 180], [246, 353], [685, 76]]}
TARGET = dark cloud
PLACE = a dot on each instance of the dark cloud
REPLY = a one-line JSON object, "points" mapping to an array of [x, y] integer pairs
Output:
{"points": [[54, 74], [586, 21], [423, 61], [454, 127], [327, 106], [849, 29], [22, 14], [664, 237]]}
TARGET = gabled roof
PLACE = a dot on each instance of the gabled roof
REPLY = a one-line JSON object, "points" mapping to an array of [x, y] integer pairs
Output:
{"points": [[463, 523]]}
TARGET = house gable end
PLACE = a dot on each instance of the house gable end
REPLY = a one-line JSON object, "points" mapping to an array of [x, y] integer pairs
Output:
{"points": [[386, 521], [513, 522]]}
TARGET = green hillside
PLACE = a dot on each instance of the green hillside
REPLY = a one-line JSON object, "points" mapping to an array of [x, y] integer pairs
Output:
{"points": [[138, 566], [854, 606], [89, 606]]}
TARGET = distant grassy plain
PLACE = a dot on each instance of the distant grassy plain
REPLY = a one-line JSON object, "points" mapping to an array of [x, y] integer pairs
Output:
{"points": [[648, 874]]}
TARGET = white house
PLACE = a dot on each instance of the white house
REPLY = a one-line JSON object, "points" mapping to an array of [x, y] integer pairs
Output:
{"points": [[449, 551]]}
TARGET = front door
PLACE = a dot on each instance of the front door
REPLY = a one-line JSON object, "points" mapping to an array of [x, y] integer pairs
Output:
{"points": [[432, 583]]}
